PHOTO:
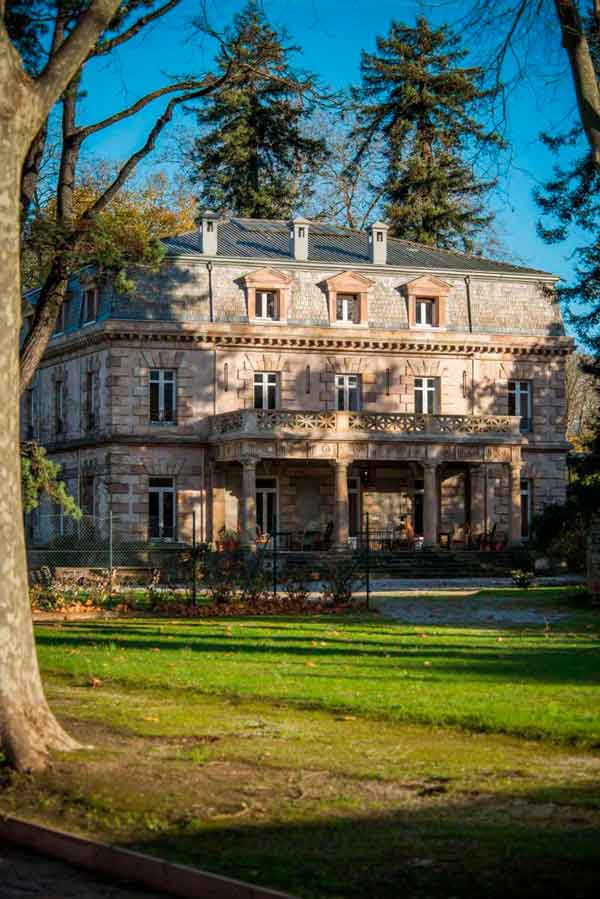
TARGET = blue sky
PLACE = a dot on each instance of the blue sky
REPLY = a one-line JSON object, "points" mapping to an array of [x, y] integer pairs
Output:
{"points": [[332, 34]]}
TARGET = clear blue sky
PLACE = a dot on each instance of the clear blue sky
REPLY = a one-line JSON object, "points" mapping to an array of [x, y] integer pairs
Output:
{"points": [[332, 34]]}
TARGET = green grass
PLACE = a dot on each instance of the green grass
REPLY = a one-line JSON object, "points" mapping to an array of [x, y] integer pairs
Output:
{"points": [[336, 757], [536, 682]]}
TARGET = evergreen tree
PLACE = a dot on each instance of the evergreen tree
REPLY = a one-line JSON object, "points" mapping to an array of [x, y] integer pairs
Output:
{"points": [[417, 98], [252, 156]]}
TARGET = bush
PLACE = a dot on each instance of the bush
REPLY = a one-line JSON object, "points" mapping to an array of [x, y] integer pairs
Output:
{"points": [[295, 584], [523, 579], [340, 581]]}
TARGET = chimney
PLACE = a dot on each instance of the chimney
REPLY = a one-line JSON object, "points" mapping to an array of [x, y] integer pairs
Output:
{"points": [[299, 238], [378, 243], [208, 232]]}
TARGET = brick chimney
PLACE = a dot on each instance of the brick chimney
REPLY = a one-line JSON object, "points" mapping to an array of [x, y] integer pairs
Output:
{"points": [[299, 238], [378, 243]]}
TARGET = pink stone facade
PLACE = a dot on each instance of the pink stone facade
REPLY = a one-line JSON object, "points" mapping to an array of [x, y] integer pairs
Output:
{"points": [[462, 465]]}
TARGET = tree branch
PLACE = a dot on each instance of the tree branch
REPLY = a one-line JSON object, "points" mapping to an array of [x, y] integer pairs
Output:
{"points": [[103, 47], [85, 131], [63, 64]]}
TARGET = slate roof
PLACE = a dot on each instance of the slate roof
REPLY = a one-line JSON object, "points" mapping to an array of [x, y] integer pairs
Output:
{"points": [[268, 240]]}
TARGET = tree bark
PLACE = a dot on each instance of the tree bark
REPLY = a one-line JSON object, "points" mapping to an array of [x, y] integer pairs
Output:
{"points": [[28, 730], [50, 299], [585, 80]]}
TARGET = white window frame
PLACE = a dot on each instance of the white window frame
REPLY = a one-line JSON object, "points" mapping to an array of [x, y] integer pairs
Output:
{"points": [[348, 304], [85, 317], [261, 301], [421, 305], [263, 380], [161, 491], [347, 384], [518, 390], [428, 390], [162, 377]]}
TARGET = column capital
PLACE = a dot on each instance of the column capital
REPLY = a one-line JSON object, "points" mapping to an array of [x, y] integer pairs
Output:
{"points": [[339, 463], [249, 461], [430, 465]]}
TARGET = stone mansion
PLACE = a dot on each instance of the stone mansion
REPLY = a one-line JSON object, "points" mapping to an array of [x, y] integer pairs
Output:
{"points": [[292, 377]]}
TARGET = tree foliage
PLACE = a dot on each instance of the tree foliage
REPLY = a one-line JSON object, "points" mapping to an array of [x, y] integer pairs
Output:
{"points": [[40, 479], [252, 156], [418, 98]]}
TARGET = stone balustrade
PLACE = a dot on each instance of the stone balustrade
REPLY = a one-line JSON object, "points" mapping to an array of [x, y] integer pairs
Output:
{"points": [[269, 421]]}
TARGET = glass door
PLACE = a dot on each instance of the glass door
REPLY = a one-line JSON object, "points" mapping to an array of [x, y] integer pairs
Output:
{"points": [[266, 505]]}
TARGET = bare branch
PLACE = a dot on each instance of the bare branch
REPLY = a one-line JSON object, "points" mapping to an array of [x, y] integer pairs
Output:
{"points": [[143, 101], [103, 47], [63, 64]]}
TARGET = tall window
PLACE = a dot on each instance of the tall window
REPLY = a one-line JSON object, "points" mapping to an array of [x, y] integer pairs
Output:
{"points": [[265, 390], [30, 414], [353, 506], [526, 509], [59, 407], [519, 402], [347, 307], [426, 396], [89, 312], [161, 509], [88, 495], [266, 304], [347, 390], [425, 312], [90, 400], [162, 395]]}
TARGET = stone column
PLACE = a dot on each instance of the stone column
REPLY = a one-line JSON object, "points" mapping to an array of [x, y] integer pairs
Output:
{"points": [[249, 502], [341, 523], [217, 500], [514, 504], [477, 483], [430, 504]]}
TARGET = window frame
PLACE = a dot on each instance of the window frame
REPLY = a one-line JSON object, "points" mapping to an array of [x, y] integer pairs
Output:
{"points": [[343, 301], [427, 388], [263, 295], [160, 490], [157, 377], [59, 407], [515, 399], [88, 481], [263, 381], [85, 320], [427, 303], [343, 383]]}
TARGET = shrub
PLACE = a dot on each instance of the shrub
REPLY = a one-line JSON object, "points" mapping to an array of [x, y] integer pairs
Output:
{"points": [[340, 581], [295, 584], [523, 579]]}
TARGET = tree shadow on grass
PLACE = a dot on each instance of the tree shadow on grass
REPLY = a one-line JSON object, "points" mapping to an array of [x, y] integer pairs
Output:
{"points": [[538, 844]]}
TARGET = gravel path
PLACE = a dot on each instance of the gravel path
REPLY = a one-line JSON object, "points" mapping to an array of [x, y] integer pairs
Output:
{"points": [[461, 609], [26, 875]]}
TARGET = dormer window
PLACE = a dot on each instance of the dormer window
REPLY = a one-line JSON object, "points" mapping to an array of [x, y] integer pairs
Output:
{"points": [[425, 312], [347, 308], [266, 304], [90, 306]]}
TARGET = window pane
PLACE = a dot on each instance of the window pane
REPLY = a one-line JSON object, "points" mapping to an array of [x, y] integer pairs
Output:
{"points": [[168, 514], [169, 401], [259, 304], [154, 408], [153, 516], [270, 305], [340, 399], [271, 395], [258, 395], [353, 398], [339, 305], [418, 398], [512, 401]]}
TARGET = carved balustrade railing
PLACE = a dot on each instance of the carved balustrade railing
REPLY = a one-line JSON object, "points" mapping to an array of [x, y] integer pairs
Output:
{"points": [[268, 420]]}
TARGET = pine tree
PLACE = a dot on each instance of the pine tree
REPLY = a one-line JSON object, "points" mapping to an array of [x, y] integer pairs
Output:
{"points": [[417, 98], [252, 157]]}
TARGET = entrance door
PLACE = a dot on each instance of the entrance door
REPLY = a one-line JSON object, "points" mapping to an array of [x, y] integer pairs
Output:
{"points": [[418, 511], [266, 505]]}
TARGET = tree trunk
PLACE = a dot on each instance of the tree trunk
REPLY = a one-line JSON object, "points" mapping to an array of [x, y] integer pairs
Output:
{"points": [[28, 730], [51, 297], [585, 80]]}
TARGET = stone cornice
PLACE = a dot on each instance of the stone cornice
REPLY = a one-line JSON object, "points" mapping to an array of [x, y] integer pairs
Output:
{"points": [[304, 339]]}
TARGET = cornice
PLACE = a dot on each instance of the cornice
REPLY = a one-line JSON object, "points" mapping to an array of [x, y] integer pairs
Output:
{"points": [[227, 337]]}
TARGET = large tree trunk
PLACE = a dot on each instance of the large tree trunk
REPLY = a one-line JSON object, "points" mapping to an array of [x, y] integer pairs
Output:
{"points": [[27, 727]]}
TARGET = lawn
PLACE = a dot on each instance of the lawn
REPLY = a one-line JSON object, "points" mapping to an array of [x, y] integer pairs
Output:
{"points": [[336, 756]]}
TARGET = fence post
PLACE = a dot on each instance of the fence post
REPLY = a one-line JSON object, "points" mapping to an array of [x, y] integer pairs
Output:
{"points": [[275, 566], [368, 564], [110, 544], [194, 559]]}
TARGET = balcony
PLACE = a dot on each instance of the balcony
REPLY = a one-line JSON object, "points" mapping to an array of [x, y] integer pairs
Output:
{"points": [[386, 425]]}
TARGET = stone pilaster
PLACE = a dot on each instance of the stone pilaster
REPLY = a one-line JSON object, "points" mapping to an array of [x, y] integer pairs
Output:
{"points": [[249, 502], [341, 502]]}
